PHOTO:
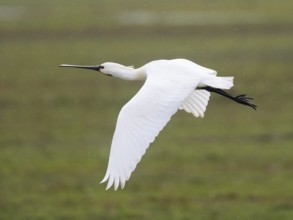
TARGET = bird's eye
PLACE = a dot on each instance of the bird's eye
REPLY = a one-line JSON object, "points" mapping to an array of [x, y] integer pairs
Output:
{"points": [[101, 67]]}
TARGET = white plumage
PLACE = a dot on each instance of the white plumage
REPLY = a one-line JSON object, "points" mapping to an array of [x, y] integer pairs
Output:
{"points": [[170, 85]]}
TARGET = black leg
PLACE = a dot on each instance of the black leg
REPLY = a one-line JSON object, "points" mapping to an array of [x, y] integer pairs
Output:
{"points": [[242, 99]]}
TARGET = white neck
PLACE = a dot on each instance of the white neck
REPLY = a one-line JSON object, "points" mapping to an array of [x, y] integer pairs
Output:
{"points": [[126, 73]]}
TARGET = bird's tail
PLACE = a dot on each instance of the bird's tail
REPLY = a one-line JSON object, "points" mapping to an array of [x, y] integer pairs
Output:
{"points": [[224, 82]]}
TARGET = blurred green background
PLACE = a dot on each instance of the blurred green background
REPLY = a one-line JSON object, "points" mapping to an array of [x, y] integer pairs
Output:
{"points": [[56, 124]]}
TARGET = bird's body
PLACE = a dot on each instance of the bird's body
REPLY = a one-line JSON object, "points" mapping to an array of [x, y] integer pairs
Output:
{"points": [[169, 85]]}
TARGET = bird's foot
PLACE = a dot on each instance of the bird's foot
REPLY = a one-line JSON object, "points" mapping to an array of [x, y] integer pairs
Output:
{"points": [[243, 99]]}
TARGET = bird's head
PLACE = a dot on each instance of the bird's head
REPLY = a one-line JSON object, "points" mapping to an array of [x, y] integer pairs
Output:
{"points": [[108, 68]]}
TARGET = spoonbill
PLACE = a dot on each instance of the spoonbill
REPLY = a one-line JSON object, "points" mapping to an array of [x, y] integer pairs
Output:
{"points": [[169, 85]]}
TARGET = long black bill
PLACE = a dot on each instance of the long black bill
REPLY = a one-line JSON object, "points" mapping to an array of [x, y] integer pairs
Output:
{"points": [[94, 67]]}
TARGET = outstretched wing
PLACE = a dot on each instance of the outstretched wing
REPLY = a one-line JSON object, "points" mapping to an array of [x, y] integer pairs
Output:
{"points": [[141, 120]]}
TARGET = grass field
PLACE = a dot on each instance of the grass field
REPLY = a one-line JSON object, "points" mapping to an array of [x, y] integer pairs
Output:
{"points": [[56, 125]]}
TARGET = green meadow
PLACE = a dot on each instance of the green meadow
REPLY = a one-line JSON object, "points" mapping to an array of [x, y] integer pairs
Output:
{"points": [[56, 124]]}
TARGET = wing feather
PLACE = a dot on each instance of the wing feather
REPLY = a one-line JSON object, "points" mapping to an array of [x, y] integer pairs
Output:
{"points": [[141, 120], [196, 102]]}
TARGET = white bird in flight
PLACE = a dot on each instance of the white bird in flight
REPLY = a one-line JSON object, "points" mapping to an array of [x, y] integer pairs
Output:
{"points": [[169, 85]]}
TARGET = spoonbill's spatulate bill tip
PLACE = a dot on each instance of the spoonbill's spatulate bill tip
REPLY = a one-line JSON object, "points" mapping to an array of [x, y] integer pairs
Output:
{"points": [[170, 85]]}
